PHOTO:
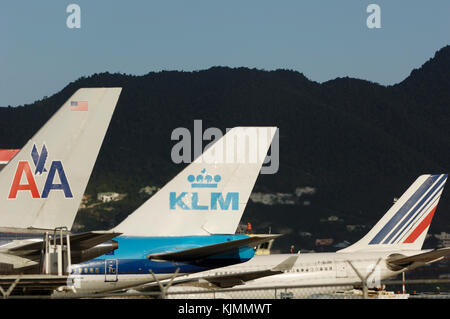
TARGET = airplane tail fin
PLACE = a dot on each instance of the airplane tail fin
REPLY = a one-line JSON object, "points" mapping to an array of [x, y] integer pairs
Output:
{"points": [[406, 223], [209, 196], [43, 184]]}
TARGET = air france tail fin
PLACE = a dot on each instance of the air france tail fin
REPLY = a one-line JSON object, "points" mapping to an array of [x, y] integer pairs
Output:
{"points": [[406, 223], [209, 196], [42, 185]]}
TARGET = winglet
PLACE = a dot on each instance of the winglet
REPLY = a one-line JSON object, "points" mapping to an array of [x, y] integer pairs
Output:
{"points": [[286, 264]]}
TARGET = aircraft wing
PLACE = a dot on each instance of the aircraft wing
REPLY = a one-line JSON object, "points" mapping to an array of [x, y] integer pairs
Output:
{"points": [[228, 280], [9, 262], [210, 250], [42, 284], [430, 256], [77, 242]]}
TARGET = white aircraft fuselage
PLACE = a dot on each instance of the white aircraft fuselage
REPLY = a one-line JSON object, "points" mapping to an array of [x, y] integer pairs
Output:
{"points": [[312, 273]]}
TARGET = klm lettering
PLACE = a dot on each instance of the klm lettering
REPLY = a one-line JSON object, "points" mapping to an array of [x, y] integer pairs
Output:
{"points": [[217, 201]]}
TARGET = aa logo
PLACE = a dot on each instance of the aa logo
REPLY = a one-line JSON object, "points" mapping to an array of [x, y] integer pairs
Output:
{"points": [[25, 178]]}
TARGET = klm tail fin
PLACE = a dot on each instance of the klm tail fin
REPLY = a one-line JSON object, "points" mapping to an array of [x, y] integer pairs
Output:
{"points": [[406, 223], [42, 185], [209, 196]]}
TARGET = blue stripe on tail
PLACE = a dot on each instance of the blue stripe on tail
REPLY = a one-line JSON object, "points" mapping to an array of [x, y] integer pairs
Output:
{"points": [[404, 209], [429, 197]]}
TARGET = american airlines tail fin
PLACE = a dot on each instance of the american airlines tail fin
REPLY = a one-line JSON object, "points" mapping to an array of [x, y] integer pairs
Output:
{"points": [[406, 223], [209, 196], [42, 185]]}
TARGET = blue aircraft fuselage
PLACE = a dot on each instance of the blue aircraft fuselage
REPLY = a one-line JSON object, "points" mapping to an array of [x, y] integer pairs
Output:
{"points": [[131, 257]]}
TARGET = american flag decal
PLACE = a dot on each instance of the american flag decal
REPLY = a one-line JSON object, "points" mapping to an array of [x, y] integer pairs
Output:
{"points": [[79, 105]]}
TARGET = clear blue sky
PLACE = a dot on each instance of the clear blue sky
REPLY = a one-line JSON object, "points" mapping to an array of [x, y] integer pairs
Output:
{"points": [[324, 39]]}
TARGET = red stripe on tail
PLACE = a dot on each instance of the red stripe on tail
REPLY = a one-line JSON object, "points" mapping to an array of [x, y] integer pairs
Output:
{"points": [[422, 226]]}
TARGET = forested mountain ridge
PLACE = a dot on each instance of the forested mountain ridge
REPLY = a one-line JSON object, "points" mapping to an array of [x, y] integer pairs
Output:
{"points": [[357, 143]]}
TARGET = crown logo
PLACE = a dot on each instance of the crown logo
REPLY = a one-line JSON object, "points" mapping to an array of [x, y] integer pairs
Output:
{"points": [[204, 180]]}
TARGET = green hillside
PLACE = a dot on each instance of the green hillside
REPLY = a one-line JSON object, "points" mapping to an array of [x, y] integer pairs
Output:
{"points": [[357, 143]]}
